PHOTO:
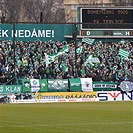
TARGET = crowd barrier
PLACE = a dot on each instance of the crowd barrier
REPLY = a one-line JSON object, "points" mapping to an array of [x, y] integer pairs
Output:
{"points": [[49, 97], [58, 85], [64, 90]]}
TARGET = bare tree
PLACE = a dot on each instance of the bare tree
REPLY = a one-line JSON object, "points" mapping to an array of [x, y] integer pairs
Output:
{"points": [[11, 10], [122, 2], [29, 11], [88, 2]]}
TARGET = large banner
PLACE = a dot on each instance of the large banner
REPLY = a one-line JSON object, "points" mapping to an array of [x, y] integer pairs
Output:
{"points": [[104, 86], [57, 85], [33, 32], [75, 84], [85, 96], [10, 89], [86, 84], [34, 85], [66, 95]]}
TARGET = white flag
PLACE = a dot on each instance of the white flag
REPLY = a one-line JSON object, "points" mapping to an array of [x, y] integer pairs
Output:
{"points": [[35, 85], [86, 84], [88, 40]]}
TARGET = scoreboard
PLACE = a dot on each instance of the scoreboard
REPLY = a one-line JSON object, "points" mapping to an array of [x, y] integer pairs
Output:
{"points": [[105, 22]]}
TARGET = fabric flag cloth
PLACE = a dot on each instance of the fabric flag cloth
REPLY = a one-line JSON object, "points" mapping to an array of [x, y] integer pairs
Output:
{"points": [[34, 85], [86, 84], [88, 40], [75, 84], [49, 59], [64, 67], [79, 50], [123, 53], [57, 85], [53, 57], [93, 61]]}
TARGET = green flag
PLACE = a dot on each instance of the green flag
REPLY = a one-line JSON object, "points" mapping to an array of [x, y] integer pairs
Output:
{"points": [[92, 61], [26, 85], [57, 85], [64, 67], [43, 85], [79, 50], [75, 84], [53, 57], [88, 40], [123, 53], [49, 59], [34, 85]]}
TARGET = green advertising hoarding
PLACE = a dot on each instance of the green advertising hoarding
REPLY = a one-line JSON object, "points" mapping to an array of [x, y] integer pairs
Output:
{"points": [[10, 89], [33, 32], [57, 85], [34, 85], [75, 84], [104, 86]]}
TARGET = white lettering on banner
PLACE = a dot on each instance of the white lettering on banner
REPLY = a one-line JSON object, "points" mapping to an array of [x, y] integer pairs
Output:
{"points": [[104, 85], [28, 33], [48, 33], [3, 33], [21, 33], [41, 33], [34, 34], [13, 89]]}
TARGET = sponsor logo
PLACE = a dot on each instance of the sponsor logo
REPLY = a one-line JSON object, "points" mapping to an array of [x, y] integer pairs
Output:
{"points": [[114, 96]]}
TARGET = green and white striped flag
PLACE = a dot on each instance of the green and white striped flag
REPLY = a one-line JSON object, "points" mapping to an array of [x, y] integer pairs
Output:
{"points": [[64, 67], [88, 40], [123, 53], [92, 61], [62, 51], [49, 59], [53, 57], [79, 50]]}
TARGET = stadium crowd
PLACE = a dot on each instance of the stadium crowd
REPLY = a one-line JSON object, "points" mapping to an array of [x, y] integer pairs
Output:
{"points": [[30, 61]]}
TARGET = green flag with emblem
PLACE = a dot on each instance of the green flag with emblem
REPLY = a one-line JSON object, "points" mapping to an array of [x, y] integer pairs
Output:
{"points": [[53, 57], [57, 85], [34, 85]]}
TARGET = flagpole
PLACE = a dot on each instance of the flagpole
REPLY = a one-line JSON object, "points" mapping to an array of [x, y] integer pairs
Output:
{"points": [[14, 51], [74, 38]]}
